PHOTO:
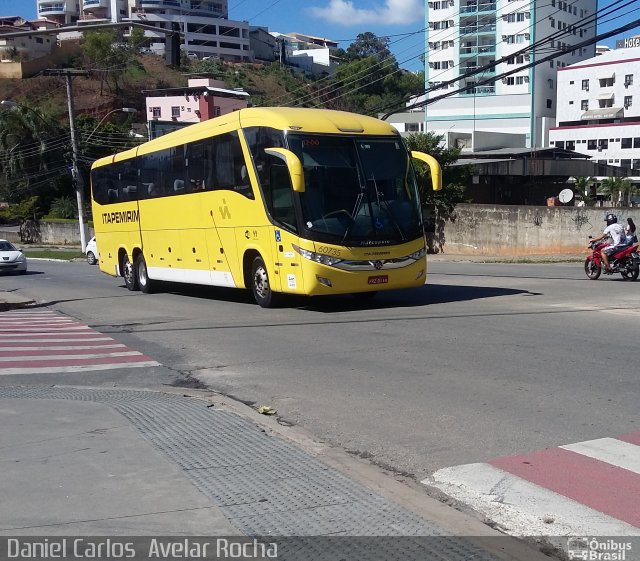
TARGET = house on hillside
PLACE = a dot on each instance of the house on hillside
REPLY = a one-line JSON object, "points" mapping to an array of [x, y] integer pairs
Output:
{"points": [[13, 49], [204, 98]]}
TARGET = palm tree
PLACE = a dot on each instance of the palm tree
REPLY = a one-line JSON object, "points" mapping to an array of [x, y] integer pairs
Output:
{"points": [[583, 186], [619, 189], [33, 150]]}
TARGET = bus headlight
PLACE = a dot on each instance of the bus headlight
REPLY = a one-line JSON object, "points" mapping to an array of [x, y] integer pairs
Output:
{"points": [[317, 257], [418, 254]]}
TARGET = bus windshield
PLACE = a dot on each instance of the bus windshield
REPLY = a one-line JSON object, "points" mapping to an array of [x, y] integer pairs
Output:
{"points": [[357, 190]]}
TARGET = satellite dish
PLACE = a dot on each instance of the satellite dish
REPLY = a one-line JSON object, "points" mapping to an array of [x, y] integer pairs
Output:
{"points": [[565, 195]]}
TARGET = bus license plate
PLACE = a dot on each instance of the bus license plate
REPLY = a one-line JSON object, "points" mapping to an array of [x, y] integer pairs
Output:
{"points": [[379, 279]]}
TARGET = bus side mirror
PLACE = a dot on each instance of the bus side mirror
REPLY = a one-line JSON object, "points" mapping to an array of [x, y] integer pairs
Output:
{"points": [[294, 165], [434, 166]]}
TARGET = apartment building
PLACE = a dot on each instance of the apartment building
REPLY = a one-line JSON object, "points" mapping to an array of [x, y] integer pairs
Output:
{"points": [[206, 29], [599, 108], [465, 35]]}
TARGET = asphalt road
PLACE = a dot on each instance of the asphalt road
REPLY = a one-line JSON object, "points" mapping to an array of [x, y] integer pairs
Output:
{"points": [[486, 360]]}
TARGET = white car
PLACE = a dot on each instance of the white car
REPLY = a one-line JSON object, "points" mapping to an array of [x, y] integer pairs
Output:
{"points": [[12, 260], [91, 251]]}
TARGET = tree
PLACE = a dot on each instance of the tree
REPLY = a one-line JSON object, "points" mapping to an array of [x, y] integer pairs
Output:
{"points": [[34, 157], [370, 78], [369, 44], [620, 189], [583, 186], [111, 57], [439, 206]]}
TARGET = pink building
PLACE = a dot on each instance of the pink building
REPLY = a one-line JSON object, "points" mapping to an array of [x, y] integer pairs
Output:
{"points": [[202, 99]]}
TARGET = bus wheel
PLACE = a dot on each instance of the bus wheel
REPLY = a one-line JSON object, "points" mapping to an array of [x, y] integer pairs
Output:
{"points": [[144, 282], [262, 292], [129, 273]]}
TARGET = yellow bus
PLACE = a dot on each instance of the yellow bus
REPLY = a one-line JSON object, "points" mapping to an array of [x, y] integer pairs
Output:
{"points": [[276, 200]]}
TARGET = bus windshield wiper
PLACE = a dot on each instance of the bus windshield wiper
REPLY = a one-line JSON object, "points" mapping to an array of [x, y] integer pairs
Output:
{"points": [[388, 210]]}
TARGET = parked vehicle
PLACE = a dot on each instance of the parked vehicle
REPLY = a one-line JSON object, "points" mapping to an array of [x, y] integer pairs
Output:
{"points": [[12, 260], [92, 252], [625, 261]]}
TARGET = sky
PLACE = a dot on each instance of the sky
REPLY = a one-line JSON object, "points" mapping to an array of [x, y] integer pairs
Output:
{"points": [[342, 20]]}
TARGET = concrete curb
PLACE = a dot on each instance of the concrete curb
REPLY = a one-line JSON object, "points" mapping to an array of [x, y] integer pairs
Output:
{"points": [[13, 301]]}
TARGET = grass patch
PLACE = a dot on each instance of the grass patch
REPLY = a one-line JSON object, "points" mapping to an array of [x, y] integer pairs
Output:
{"points": [[54, 254]]}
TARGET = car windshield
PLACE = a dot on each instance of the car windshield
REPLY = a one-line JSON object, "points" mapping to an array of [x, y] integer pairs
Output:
{"points": [[358, 191], [7, 246]]}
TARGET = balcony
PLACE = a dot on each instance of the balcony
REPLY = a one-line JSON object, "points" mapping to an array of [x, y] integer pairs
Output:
{"points": [[95, 4], [159, 3], [478, 29], [480, 90], [52, 9], [478, 8], [484, 50]]}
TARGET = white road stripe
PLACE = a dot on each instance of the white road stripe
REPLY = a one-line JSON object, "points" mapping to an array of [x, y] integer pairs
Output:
{"points": [[83, 368], [63, 347], [25, 358], [75, 327], [520, 507], [57, 332], [33, 321], [65, 340], [610, 450]]}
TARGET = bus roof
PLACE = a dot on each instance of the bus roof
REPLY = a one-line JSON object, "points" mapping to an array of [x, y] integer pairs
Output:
{"points": [[300, 119]]}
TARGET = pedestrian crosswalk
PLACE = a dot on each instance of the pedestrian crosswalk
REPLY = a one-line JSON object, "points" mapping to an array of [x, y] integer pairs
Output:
{"points": [[585, 488], [45, 342]]}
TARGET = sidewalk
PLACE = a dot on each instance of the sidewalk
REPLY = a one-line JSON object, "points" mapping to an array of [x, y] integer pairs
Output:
{"points": [[119, 462], [13, 300]]}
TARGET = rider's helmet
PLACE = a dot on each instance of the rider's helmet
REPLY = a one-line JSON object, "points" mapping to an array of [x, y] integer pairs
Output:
{"points": [[611, 219]]}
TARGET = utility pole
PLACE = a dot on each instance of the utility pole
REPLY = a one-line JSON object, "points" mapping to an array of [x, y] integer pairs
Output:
{"points": [[78, 180]]}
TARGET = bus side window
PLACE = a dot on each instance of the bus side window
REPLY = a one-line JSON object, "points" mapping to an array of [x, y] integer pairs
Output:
{"points": [[196, 163]]}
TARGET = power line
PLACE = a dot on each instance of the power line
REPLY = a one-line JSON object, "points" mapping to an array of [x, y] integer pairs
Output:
{"points": [[596, 38]]}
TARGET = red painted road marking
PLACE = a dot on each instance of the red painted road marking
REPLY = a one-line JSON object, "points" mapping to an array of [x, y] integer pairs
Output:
{"points": [[75, 361], [598, 485], [54, 343], [632, 438]]}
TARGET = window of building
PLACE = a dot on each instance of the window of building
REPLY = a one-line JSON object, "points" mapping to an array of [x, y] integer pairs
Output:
{"points": [[628, 101], [628, 80], [603, 144], [602, 103], [156, 112], [625, 143], [584, 105], [412, 127], [607, 82], [625, 163], [560, 144], [175, 111], [636, 142], [550, 83], [592, 144], [571, 145], [549, 104], [585, 85]]}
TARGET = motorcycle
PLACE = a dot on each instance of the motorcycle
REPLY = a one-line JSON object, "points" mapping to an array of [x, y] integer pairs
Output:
{"points": [[625, 261]]}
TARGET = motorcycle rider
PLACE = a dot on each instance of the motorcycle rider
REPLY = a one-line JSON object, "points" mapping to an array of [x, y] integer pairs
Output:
{"points": [[618, 238]]}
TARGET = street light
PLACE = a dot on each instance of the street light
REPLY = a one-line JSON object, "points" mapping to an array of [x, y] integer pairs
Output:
{"points": [[123, 109]]}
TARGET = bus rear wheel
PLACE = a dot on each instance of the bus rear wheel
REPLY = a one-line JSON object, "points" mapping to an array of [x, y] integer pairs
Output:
{"points": [[129, 273], [264, 296], [146, 284]]}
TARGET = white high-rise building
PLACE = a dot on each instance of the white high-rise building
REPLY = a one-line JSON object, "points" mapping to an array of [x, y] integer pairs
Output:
{"points": [[463, 35], [65, 12]]}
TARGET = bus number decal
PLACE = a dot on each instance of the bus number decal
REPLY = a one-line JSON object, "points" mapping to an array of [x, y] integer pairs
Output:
{"points": [[311, 142], [329, 251]]}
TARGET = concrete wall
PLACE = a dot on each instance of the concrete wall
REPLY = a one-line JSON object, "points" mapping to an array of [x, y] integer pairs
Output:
{"points": [[526, 230], [43, 232], [25, 69]]}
